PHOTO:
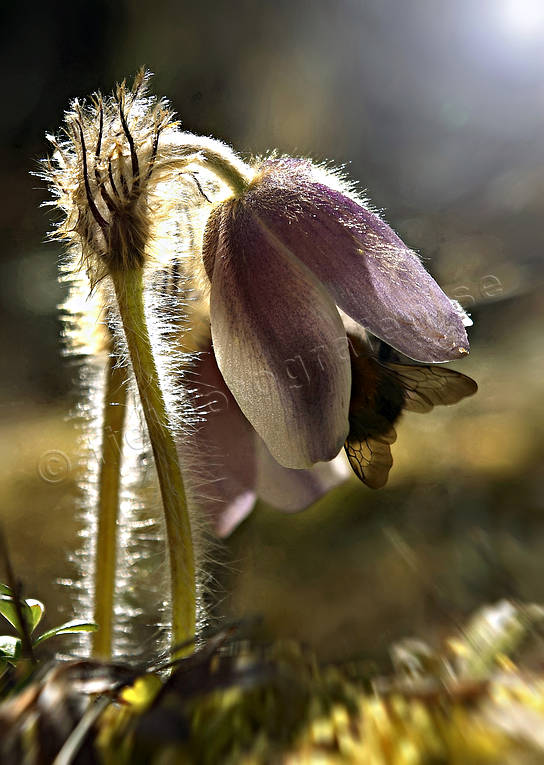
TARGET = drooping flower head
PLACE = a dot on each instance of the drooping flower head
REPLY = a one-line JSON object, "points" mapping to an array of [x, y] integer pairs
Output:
{"points": [[282, 258]]}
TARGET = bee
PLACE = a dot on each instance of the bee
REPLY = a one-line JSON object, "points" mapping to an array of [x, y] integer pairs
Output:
{"points": [[384, 385]]}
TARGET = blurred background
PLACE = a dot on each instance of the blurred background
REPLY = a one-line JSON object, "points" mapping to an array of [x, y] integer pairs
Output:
{"points": [[437, 108]]}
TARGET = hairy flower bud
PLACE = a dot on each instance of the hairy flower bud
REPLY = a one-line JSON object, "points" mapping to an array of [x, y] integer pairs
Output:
{"points": [[108, 175]]}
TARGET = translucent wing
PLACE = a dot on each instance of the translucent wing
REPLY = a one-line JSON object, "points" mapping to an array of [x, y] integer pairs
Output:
{"points": [[428, 386], [370, 458]]}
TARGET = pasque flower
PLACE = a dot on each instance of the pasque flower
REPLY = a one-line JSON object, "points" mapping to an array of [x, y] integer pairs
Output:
{"points": [[282, 257], [289, 252]]}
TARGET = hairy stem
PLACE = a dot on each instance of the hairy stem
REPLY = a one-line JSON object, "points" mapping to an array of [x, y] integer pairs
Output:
{"points": [[129, 292], [217, 157], [115, 399], [232, 173]]}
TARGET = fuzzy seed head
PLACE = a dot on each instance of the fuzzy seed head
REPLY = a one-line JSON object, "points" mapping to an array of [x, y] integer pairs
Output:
{"points": [[113, 179]]}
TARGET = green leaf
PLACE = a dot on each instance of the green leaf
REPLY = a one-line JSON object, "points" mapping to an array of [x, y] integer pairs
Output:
{"points": [[4, 589], [8, 610], [10, 647], [68, 628], [37, 610]]}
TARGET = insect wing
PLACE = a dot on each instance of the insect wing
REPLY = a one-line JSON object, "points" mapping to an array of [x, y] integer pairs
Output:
{"points": [[370, 459], [429, 386]]}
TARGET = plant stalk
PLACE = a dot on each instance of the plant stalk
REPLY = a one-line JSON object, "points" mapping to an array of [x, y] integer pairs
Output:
{"points": [[115, 400], [128, 286]]}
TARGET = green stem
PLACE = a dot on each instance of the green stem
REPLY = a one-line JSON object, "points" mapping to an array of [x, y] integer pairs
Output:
{"points": [[234, 174], [129, 292], [226, 165], [115, 398]]}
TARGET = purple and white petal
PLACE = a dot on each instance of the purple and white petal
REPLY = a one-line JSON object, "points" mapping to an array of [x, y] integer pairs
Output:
{"points": [[219, 457], [293, 490], [371, 274], [279, 343]]}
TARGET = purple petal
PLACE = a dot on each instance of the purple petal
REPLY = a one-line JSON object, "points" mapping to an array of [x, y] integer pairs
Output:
{"points": [[220, 455], [368, 270], [292, 490], [235, 509], [279, 343], [227, 459]]}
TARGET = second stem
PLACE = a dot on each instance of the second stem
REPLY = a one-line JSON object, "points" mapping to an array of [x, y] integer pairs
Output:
{"points": [[128, 287]]}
